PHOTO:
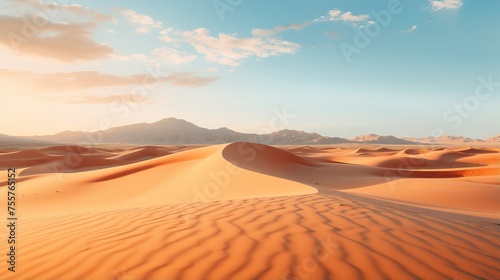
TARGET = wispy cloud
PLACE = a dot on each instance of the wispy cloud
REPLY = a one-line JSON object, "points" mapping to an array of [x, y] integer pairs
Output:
{"points": [[25, 82], [338, 15], [165, 35], [52, 30], [335, 15], [160, 56], [279, 29], [411, 29], [145, 22], [230, 50], [88, 98], [173, 56], [366, 24], [333, 34], [71, 87], [188, 79], [52, 10], [66, 42], [135, 56], [446, 4]]}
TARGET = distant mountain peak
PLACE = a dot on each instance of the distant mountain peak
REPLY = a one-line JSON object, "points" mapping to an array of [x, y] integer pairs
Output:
{"points": [[171, 131], [445, 139], [381, 139], [495, 138], [172, 119]]}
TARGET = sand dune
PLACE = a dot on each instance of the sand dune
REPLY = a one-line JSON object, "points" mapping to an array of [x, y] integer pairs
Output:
{"points": [[334, 236], [198, 175], [250, 211]]}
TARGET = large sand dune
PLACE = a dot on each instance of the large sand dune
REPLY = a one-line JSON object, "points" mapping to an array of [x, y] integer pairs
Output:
{"points": [[250, 211]]}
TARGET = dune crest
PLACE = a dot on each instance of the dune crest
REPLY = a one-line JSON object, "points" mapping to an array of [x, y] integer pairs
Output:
{"points": [[196, 175]]}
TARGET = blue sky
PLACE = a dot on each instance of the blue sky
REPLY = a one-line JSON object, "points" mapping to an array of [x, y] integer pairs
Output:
{"points": [[433, 67]]}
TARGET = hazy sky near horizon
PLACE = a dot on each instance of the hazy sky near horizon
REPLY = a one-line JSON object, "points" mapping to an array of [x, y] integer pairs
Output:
{"points": [[339, 68]]}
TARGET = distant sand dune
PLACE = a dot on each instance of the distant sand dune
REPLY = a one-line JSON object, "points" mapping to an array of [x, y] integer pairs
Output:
{"points": [[262, 158]]}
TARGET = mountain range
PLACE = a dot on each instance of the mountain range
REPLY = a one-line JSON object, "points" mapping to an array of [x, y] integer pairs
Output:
{"points": [[172, 131]]}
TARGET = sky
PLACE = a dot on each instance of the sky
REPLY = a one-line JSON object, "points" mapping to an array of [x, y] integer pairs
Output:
{"points": [[339, 68]]}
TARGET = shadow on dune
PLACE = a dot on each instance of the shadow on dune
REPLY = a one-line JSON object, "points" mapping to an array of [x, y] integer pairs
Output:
{"points": [[338, 175], [72, 159], [283, 164]]}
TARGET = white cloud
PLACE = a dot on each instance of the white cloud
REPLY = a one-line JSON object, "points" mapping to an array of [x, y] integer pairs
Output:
{"points": [[337, 15], [411, 29], [67, 42], [279, 29], [333, 34], [146, 22], [227, 49], [54, 11], [120, 57], [446, 4], [33, 83], [139, 56], [333, 15], [165, 35], [368, 23], [89, 98], [142, 29], [135, 56], [109, 31], [50, 30], [163, 55], [230, 50], [173, 56], [348, 16], [212, 70]]}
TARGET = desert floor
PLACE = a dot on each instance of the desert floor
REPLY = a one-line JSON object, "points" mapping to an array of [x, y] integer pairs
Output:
{"points": [[248, 211]]}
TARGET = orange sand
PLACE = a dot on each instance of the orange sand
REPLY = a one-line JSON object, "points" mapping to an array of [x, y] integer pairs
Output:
{"points": [[248, 211]]}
